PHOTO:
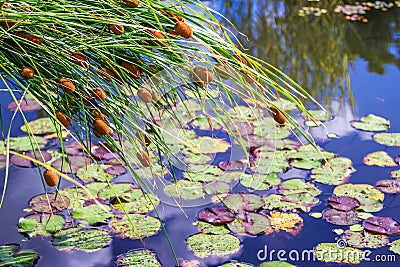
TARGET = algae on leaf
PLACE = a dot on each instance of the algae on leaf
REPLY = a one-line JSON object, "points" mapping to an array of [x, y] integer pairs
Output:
{"points": [[138, 258], [206, 245]]}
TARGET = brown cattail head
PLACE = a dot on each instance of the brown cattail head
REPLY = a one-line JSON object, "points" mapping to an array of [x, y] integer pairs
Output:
{"points": [[131, 3], [133, 69], [63, 119], [157, 34], [67, 86], [143, 139], [116, 29], [144, 158], [240, 59], [97, 114], [106, 73], [277, 115], [100, 127], [79, 59], [50, 177], [223, 71], [201, 74], [27, 72], [144, 95], [249, 77], [172, 15], [99, 94], [30, 37], [184, 30], [88, 100]]}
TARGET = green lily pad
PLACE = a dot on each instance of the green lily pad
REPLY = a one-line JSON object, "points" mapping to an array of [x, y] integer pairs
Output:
{"points": [[316, 215], [379, 158], [135, 201], [304, 201], [275, 201], [389, 186], [371, 123], [205, 245], [370, 198], [71, 164], [184, 189], [243, 113], [269, 165], [144, 226], [236, 264], [229, 176], [277, 132], [395, 174], [364, 215], [395, 246], [26, 143], [192, 158], [338, 217], [318, 116], [208, 145], [337, 254], [40, 126], [40, 224], [364, 239], [284, 104], [93, 214], [138, 258], [276, 264], [308, 152], [202, 173], [49, 203], [283, 154], [208, 228], [12, 256], [356, 227], [106, 192], [202, 123], [243, 202], [249, 223], [260, 181], [152, 172], [88, 240], [336, 171], [307, 164], [298, 186], [94, 172], [387, 139], [216, 187]]}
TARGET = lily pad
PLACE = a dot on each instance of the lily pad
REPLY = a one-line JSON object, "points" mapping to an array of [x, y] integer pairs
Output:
{"points": [[303, 201], [243, 202], [93, 214], [205, 245], [106, 192], [71, 164], [26, 105], [316, 215], [389, 186], [94, 172], [249, 223], [298, 186], [208, 228], [12, 256], [26, 143], [382, 225], [216, 187], [101, 152], [138, 258], [184, 189], [305, 164], [269, 165], [387, 139], [369, 197], [42, 156], [343, 203], [115, 170], [216, 215], [318, 116], [244, 114], [379, 158], [275, 201], [275, 132], [236, 264], [235, 165], [308, 152], [337, 254], [276, 264], [49, 203], [260, 181], [364, 239], [40, 126], [152, 172], [395, 246], [371, 123], [135, 201], [40, 224], [193, 158], [291, 223], [341, 217], [208, 145], [144, 226], [336, 171], [202, 173], [88, 240], [395, 174]]}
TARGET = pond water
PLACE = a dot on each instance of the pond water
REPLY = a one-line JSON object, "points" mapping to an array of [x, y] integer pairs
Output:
{"points": [[352, 68]]}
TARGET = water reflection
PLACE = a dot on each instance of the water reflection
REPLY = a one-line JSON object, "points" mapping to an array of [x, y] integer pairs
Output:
{"points": [[315, 51]]}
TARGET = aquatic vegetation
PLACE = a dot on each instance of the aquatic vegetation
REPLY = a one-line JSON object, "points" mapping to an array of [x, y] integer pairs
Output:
{"points": [[12, 255], [138, 258], [205, 245], [371, 123]]}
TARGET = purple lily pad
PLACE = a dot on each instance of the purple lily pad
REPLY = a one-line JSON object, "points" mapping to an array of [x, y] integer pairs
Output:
{"points": [[49, 204], [341, 217], [100, 152], [115, 170], [249, 223], [343, 203], [26, 105], [21, 162], [216, 216], [43, 156], [235, 165], [382, 225], [71, 164], [242, 201], [389, 186]]}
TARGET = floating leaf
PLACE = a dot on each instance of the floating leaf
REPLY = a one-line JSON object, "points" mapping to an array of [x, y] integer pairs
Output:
{"points": [[275, 201], [71, 164], [269, 165], [389, 186], [343, 203], [387, 139], [277, 132], [371, 123], [40, 225], [395, 246], [363, 239], [341, 217], [94, 172], [205, 245], [184, 189], [379, 158], [144, 226], [319, 116], [216, 215], [208, 145], [202, 173], [395, 174], [337, 254], [316, 215], [364, 215], [356, 227], [138, 258], [49, 203], [249, 223], [154, 171], [93, 214], [40, 126], [242, 201], [298, 186], [208, 228], [216, 187], [309, 152], [26, 143], [12, 256], [88, 240], [235, 165], [244, 114], [304, 201], [135, 201], [306, 164], [115, 170], [107, 192], [336, 171], [260, 181], [369, 197], [26, 105], [42, 156], [291, 223], [193, 158], [382, 225]]}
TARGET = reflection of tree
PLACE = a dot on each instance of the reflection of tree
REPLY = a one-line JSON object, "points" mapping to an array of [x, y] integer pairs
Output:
{"points": [[315, 51]]}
